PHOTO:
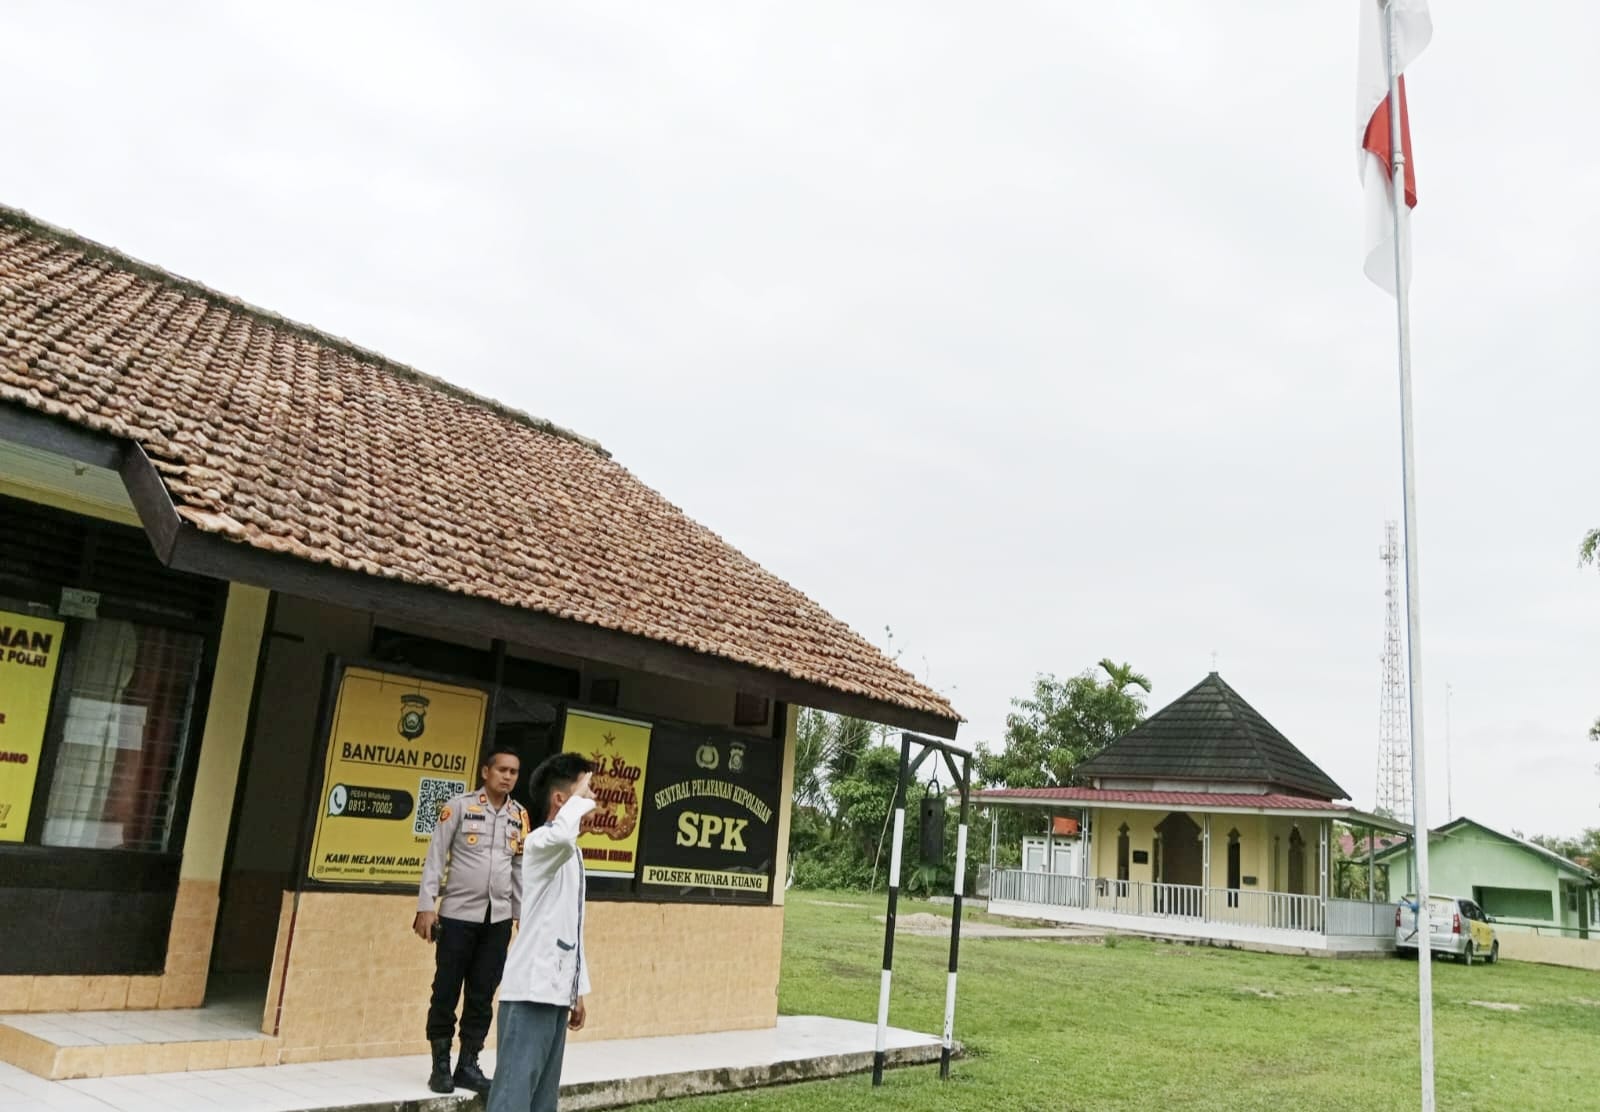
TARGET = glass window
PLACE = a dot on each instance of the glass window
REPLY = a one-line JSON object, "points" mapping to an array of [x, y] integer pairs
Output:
{"points": [[129, 693]]}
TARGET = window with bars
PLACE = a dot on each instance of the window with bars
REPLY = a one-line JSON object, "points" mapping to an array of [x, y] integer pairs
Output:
{"points": [[129, 700], [123, 712]]}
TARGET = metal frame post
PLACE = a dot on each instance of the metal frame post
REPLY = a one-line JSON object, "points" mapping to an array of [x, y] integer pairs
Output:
{"points": [[958, 890], [908, 767], [880, 1048]]}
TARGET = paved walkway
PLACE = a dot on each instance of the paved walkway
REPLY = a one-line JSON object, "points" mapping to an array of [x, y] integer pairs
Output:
{"points": [[596, 1075]]}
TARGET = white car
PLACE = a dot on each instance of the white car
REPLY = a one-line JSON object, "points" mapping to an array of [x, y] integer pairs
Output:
{"points": [[1459, 928]]}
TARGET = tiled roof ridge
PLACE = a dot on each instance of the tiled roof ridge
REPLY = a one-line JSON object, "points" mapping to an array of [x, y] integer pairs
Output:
{"points": [[1238, 710], [97, 250]]}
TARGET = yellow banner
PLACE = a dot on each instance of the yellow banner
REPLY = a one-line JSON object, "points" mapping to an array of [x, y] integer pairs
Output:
{"points": [[619, 749], [30, 649], [398, 749], [704, 878]]}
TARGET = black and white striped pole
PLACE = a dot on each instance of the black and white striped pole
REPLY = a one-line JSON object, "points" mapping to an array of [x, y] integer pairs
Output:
{"points": [[881, 1047], [955, 923], [949, 753]]}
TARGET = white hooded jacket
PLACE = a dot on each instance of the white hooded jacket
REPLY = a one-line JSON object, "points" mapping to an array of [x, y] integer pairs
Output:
{"points": [[547, 962]]}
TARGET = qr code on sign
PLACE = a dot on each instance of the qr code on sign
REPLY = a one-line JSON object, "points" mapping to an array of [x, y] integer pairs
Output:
{"points": [[431, 795]]}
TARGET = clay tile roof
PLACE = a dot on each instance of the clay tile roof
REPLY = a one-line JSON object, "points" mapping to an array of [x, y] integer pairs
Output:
{"points": [[1210, 733], [278, 436]]}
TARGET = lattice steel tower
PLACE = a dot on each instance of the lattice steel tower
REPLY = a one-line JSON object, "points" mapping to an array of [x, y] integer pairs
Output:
{"points": [[1394, 726]]}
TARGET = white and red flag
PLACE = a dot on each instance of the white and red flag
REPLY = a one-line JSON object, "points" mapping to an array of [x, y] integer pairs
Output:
{"points": [[1374, 145]]}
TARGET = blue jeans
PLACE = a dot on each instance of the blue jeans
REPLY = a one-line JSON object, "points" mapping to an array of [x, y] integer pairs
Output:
{"points": [[527, 1067]]}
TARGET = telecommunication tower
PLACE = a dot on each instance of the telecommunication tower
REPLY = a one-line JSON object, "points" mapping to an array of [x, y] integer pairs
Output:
{"points": [[1394, 727]]}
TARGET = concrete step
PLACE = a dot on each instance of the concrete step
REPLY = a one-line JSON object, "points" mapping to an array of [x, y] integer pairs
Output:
{"points": [[62, 1046]]}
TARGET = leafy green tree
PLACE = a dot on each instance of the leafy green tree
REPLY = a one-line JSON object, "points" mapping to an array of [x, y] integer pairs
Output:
{"points": [[1063, 723], [1585, 846]]}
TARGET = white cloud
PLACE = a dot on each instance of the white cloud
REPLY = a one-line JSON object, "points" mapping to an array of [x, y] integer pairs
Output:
{"points": [[1036, 332]]}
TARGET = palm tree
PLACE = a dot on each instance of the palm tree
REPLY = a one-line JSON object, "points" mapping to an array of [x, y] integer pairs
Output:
{"points": [[1123, 676]]}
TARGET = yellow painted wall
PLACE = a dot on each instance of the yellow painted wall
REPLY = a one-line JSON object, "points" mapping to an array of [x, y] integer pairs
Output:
{"points": [[1259, 855], [1141, 836], [351, 982], [227, 722], [780, 873], [1550, 950]]}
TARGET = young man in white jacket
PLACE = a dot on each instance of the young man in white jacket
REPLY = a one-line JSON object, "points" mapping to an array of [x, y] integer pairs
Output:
{"points": [[547, 969]]}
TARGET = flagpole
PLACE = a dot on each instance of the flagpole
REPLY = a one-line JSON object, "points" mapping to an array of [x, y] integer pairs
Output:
{"points": [[1419, 779]]}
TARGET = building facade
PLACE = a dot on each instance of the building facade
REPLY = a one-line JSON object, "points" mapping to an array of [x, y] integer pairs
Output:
{"points": [[1203, 822], [1522, 885], [265, 598]]}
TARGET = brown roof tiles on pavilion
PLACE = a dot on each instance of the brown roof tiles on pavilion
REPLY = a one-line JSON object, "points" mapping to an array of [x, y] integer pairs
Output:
{"points": [[288, 440]]}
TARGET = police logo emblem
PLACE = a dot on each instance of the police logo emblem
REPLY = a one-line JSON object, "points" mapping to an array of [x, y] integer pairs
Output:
{"points": [[736, 757], [707, 757], [412, 709]]}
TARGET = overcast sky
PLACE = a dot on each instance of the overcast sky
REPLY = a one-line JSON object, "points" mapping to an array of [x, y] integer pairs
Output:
{"points": [[1037, 332]]}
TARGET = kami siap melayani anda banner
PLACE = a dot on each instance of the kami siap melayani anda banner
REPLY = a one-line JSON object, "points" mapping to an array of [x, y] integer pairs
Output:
{"points": [[619, 748]]}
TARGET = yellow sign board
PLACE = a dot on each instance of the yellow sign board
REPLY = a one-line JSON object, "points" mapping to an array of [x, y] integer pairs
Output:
{"points": [[30, 649], [619, 749], [398, 749]]}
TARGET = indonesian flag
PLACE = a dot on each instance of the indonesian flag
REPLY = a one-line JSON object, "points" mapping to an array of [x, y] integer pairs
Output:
{"points": [[1412, 30]]}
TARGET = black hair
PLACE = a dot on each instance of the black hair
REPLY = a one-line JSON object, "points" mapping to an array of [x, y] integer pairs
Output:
{"points": [[500, 751], [554, 774]]}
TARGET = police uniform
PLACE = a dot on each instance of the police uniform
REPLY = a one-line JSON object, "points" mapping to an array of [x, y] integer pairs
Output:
{"points": [[474, 871]]}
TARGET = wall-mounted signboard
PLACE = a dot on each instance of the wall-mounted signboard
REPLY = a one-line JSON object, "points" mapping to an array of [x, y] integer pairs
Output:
{"points": [[30, 650], [712, 803], [398, 748], [620, 750]]}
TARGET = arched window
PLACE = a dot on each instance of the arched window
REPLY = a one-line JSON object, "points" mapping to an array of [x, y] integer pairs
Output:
{"points": [[1297, 862], [1233, 868]]}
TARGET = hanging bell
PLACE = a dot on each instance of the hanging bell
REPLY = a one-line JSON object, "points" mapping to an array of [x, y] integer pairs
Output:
{"points": [[933, 825]]}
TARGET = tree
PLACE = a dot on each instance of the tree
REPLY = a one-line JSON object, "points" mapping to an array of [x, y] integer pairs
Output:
{"points": [[1585, 847], [1062, 724]]}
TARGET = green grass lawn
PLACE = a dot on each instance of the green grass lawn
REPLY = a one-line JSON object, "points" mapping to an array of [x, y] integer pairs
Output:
{"points": [[1143, 1025]]}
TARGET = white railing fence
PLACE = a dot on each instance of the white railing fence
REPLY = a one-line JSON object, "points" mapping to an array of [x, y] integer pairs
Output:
{"points": [[1360, 919], [1244, 907]]}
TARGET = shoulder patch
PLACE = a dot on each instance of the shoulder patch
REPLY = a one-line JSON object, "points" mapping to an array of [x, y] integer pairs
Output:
{"points": [[527, 824], [444, 813]]}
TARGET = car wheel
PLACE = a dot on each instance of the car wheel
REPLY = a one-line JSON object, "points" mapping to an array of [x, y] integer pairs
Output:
{"points": [[1494, 953], [1466, 955]]}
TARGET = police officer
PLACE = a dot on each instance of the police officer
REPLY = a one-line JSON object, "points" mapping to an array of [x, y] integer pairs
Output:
{"points": [[474, 871]]}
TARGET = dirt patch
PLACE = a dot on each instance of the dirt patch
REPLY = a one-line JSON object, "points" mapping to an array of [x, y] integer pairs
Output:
{"points": [[836, 903], [931, 925], [1582, 1003], [1263, 993], [1495, 1006], [1339, 990]]}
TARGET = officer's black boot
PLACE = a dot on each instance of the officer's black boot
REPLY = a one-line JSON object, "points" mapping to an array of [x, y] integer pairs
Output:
{"points": [[468, 1075], [439, 1080]]}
